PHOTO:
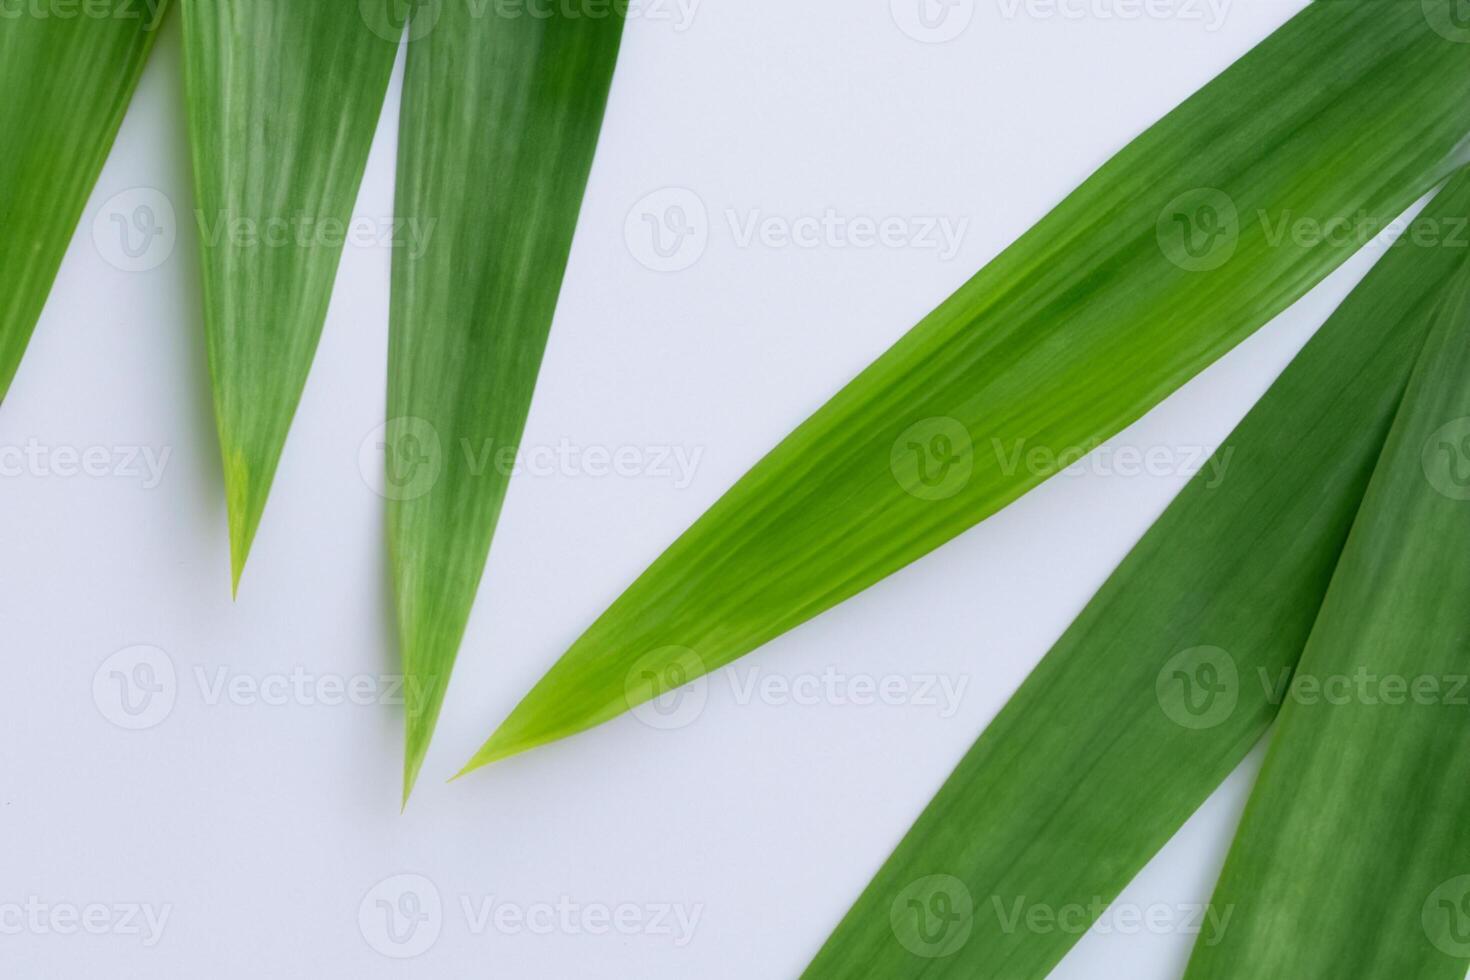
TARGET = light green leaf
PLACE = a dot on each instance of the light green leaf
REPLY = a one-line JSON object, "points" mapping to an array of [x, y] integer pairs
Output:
{"points": [[1353, 858], [1171, 673], [66, 82], [1159, 263], [500, 120], [284, 97]]}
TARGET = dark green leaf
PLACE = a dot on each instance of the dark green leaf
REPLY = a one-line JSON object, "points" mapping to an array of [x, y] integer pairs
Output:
{"points": [[66, 82], [1170, 674], [284, 97], [500, 119], [1158, 264], [1353, 858]]}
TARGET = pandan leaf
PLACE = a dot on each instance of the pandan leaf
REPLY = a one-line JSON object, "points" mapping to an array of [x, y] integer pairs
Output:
{"points": [[1169, 675], [283, 100], [500, 120], [1353, 857], [1164, 259], [66, 82]]}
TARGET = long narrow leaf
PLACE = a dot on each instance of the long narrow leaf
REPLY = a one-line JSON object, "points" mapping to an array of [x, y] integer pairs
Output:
{"points": [[284, 97], [500, 120], [1171, 673], [1159, 263], [1353, 858], [66, 82]]}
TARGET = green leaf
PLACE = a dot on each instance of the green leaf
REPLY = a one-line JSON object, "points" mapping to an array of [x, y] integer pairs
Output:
{"points": [[283, 97], [1159, 263], [500, 121], [67, 82], [1169, 675], [1353, 858]]}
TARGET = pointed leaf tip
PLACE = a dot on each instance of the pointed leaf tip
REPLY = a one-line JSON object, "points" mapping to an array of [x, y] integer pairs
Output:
{"points": [[67, 82], [243, 514], [500, 122], [1153, 268], [410, 779], [495, 748], [273, 187]]}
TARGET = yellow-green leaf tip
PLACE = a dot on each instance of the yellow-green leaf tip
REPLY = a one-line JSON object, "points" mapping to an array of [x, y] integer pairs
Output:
{"points": [[245, 504], [412, 763], [423, 696], [494, 750]]}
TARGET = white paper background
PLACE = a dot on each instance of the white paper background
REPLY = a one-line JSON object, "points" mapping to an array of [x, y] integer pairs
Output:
{"points": [[266, 830]]}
